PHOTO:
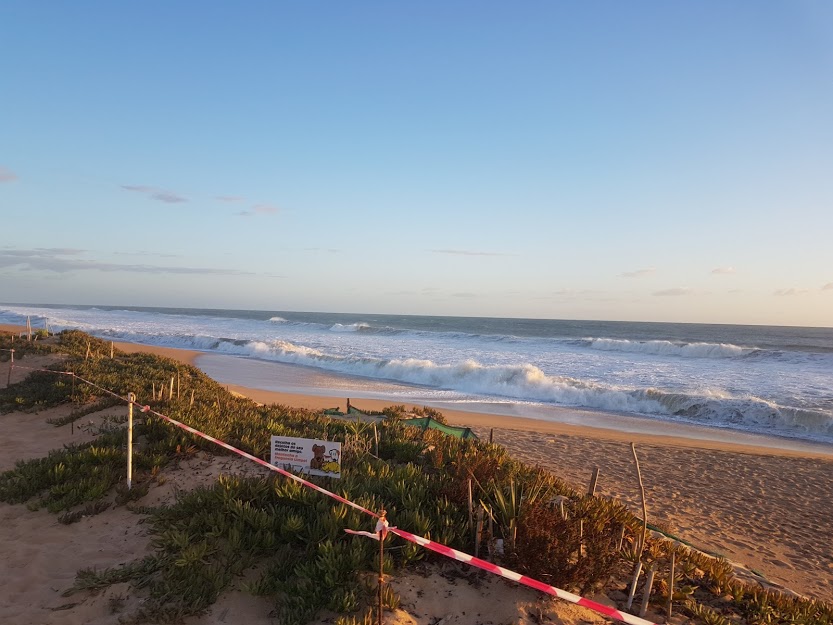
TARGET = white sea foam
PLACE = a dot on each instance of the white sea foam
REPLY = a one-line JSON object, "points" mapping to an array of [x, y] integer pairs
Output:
{"points": [[353, 327], [722, 380], [668, 348]]}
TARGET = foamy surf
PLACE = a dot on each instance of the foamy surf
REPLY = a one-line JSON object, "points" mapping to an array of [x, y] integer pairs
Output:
{"points": [[766, 380]]}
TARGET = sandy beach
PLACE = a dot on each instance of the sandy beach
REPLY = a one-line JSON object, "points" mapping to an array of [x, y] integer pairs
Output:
{"points": [[765, 508]]}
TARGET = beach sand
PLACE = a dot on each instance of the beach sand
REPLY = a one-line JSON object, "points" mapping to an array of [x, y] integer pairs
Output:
{"points": [[766, 508]]}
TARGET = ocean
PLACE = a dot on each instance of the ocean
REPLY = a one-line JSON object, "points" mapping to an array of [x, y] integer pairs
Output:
{"points": [[772, 381]]}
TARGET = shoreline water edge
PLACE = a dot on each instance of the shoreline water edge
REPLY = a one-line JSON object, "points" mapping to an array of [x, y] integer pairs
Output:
{"points": [[760, 386]]}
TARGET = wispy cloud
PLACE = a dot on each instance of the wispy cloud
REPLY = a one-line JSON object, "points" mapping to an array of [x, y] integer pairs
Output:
{"points": [[676, 291], [639, 273], [790, 292], [470, 253], [260, 209], [827, 287], [157, 194], [229, 198], [723, 271], [59, 260], [6, 175]]}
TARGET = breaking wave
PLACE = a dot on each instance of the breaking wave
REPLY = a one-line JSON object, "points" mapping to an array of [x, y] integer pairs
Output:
{"points": [[669, 348]]}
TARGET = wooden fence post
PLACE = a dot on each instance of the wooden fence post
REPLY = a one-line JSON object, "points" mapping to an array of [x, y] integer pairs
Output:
{"points": [[130, 398], [591, 490]]}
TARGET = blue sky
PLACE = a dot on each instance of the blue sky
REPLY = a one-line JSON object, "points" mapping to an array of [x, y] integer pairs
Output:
{"points": [[598, 160]]}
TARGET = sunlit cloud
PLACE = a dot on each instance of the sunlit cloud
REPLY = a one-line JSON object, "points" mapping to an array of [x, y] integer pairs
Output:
{"points": [[60, 260], [6, 175], [469, 253], [790, 292], [157, 194], [723, 271], [827, 287], [676, 291], [260, 209], [639, 273]]}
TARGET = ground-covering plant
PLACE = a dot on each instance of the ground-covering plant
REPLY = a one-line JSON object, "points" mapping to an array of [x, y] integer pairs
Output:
{"points": [[290, 541]]}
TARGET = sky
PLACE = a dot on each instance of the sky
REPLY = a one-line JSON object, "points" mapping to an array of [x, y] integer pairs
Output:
{"points": [[648, 161]]}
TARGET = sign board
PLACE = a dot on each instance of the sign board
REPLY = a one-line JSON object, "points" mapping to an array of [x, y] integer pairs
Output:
{"points": [[307, 455]]}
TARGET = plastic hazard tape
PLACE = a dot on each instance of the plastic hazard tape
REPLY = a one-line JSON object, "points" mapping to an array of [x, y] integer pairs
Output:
{"points": [[521, 579], [383, 528]]}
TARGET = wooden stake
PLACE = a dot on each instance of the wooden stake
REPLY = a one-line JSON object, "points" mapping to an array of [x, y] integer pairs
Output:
{"points": [[192, 398], [376, 438], [478, 532], [153, 390], [636, 571], [131, 398], [111, 350], [591, 490], [177, 383], [670, 586], [381, 565], [87, 355], [644, 505], [491, 434], [11, 366], [646, 594], [171, 392], [621, 538], [491, 538], [471, 507]]}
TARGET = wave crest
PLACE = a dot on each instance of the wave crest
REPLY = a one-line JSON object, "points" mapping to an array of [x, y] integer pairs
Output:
{"points": [[669, 348]]}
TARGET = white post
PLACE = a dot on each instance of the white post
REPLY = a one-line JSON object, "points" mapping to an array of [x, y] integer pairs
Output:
{"points": [[131, 398]]}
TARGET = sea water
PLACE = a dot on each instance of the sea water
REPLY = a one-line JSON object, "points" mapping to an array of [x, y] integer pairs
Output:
{"points": [[761, 379]]}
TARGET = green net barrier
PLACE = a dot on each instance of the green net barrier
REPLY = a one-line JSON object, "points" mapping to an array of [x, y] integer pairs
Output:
{"points": [[427, 422]]}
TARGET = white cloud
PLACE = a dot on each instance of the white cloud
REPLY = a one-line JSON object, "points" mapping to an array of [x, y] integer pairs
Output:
{"points": [[676, 291], [260, 209], [790, 292], [59, 260], [723, 271], [469, 253], [7, 175], [157, 194], [639, 273]]}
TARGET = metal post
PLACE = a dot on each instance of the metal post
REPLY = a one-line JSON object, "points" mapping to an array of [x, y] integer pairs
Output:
{"points": [[131, 398]]}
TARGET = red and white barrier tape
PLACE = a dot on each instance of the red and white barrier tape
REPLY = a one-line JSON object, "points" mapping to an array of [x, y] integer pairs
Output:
{"points": [[521, 579], [383, 527]]}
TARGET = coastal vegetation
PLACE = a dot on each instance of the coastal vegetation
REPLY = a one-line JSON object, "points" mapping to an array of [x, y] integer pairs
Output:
{"points": [[275, 538]]}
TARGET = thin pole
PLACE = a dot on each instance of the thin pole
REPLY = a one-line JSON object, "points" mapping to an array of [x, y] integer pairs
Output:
{"points": [[131, 398], [647, 593], [591, 490], [644, 505], [671, 585], [11, 366], [381, 564]]}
